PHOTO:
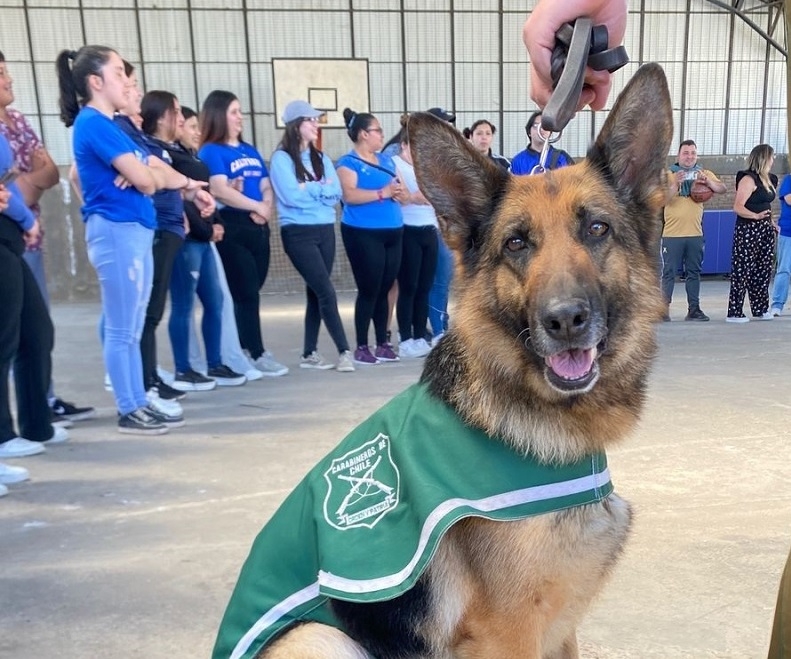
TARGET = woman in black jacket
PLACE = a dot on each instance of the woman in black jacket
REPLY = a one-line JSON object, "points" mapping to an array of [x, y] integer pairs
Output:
{"points": [[195, 255]]}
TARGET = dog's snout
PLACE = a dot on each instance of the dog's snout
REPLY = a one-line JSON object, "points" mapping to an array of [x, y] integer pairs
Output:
{"points": [[566, 320]]}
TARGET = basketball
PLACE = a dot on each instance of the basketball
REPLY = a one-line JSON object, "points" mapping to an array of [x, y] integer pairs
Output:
{"points": [[700, 192]]}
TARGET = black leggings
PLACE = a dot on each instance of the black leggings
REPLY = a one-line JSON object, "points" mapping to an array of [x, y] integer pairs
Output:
{"points": [[375, 256], [418, 265], [244, 251], [26, 339], [166, 246], [311, 249]]}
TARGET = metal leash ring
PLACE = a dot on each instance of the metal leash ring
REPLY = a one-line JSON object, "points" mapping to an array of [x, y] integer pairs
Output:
{"points": [[547, 139]]}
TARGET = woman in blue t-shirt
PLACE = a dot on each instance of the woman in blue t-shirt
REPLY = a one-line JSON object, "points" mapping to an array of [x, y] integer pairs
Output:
{"points": [[117, 179], [371, 228], [239, 180]]}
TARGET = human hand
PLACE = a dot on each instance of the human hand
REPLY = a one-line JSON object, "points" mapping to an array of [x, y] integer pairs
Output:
{"points": [[193, 185], [204, 202], [5, 197], [33, 234], [237, 183], [121, 182], [39, 158], [217, 233], [259, 218], [538, 35]]}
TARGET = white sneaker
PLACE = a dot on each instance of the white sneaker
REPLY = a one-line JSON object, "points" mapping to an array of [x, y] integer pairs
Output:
{"points": [[59, 435], [737, 319], [253, 374], [345, 363], [3, 490], [316, 361], [412, 348], [435, 340], [19, 447], [775, 312], [764, 316], [269, 367], [9, 474], [422, 344], [166, 407]]}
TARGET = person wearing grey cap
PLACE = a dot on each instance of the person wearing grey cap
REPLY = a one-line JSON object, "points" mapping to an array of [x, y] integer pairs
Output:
{"points": [[307, 191]]}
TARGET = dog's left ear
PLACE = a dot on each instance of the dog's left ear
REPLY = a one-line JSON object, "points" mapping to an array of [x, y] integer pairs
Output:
{"points": [[632, 147], [462, 185]]}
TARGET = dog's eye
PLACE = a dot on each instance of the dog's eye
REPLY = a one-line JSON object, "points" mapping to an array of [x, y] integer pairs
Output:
{"points": [[598, 229], [514, 244]]}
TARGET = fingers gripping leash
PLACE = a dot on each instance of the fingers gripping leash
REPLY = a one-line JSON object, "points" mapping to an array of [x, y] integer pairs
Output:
{"points": [[577, 46]]}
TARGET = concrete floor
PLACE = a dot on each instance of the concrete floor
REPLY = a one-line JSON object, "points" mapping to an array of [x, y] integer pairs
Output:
{"points": [[126, 546]]}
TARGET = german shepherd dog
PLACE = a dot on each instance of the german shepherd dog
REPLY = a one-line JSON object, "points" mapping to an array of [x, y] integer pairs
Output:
{"points": [[553, 336]]}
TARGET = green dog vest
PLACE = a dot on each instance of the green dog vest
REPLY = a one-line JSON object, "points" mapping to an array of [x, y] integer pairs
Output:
{"points": [[363, 525]]}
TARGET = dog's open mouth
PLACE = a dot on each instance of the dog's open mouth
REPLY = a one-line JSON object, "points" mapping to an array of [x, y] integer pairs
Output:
{"points": [[573, 371]]}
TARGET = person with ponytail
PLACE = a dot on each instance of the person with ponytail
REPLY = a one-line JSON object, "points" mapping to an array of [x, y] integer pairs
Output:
{"points": [[372, 229], [117, 177], [307, 191]]}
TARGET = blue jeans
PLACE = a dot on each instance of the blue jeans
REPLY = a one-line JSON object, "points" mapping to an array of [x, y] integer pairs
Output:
{"points": [[194, 270], [440, 289], [783, 272], [120, 252]]}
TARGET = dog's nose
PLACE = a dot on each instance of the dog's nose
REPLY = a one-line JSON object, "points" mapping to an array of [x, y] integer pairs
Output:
{"points": [[566, 320]]}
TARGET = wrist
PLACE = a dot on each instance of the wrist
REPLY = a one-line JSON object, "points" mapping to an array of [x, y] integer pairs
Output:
{"points": [[380, 195]]}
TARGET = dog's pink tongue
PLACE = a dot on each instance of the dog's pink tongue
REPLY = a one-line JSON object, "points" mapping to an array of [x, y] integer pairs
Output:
{"points": [[572, 364]]}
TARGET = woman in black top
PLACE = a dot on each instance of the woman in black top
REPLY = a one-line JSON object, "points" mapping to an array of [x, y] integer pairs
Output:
{"points": [[753, 237]]}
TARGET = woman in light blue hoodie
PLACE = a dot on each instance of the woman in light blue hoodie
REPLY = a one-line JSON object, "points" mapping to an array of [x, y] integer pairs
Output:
{"points": [[306, 191]]}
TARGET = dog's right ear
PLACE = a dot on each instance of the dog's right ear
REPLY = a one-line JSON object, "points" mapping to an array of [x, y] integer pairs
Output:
{"points": [[462, 185]]}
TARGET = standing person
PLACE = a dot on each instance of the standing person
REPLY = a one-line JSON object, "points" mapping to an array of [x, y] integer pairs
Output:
{"points": [[38, 173], [481, 135], [682, 234], [753, 237], [418, 257], [187, 265], [783, 272], [371, 228], [117, 177], [525, 161], [307, 191], [231, 352], [26, 333], [245, 213], [160, 117]]}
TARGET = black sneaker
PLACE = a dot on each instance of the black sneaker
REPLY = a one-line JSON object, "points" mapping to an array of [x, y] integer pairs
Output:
{"points": [[140, 422], [193, 381], [166, 392], [696, 314], [225, 377], [65, 411], [167, 420]]}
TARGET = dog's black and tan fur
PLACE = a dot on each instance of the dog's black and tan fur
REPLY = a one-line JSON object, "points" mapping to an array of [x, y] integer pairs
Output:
{"points": [[552, 339]]}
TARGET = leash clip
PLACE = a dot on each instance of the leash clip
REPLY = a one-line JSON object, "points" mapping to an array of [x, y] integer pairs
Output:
{"points": [[577, 46]]}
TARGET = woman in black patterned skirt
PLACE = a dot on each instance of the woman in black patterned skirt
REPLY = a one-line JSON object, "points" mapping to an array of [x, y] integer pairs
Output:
{"points": [[753, 237]]}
